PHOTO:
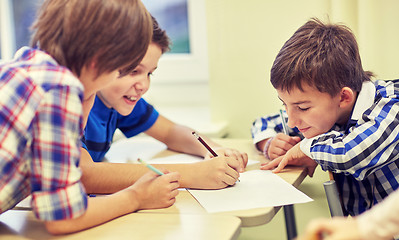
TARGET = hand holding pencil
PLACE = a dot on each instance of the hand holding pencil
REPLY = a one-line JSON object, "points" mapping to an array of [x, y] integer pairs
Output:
{"points": [[241, 169], [293, 156], [155, 189], [281, 143], [241, 157]]}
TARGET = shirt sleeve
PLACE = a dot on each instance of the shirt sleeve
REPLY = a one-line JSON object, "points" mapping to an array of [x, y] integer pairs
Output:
{"points": [[381, 221], [268, 126], [55, 177], [366, 147]]}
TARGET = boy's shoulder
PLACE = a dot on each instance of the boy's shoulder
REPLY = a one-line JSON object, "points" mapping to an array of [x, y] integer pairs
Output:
{"points": [[387, 88], [38, 68]]}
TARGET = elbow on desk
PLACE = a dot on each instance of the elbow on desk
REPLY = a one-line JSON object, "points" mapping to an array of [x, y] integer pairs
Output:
{"points": [[55, 228], [63, 227]]}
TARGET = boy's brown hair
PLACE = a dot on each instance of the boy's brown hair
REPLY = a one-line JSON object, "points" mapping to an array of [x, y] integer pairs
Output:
{"points": [[325, 56], [160, 37], [114, 34]]}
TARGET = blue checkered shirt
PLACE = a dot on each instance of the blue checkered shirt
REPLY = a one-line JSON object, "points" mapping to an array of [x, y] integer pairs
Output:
{"points": [[363, 154]]}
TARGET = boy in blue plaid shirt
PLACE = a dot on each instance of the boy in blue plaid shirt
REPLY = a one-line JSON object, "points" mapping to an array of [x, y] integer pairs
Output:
{"points": [[44, 91], [350, 124]]}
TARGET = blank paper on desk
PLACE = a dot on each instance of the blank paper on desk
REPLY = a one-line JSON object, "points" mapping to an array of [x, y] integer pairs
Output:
{"points": [[256, 189]]}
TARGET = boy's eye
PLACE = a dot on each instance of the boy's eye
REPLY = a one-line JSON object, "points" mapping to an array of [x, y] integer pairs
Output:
{"points": [[303, 109], [149, 74], [134, 72]]}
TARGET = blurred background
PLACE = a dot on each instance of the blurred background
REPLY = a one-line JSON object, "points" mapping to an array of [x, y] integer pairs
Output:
{"points": [[216, 78], [245, 36]]}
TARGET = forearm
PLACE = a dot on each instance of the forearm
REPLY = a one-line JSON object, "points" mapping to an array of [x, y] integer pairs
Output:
{"points": [[190, 174], [116, 205], [382, 221], [180, 139], [105, 178], [339, 153]]}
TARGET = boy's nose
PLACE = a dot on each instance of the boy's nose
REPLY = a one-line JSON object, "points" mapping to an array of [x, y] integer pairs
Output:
{"points": [[290, 123], [142, 85], [292, 120]]}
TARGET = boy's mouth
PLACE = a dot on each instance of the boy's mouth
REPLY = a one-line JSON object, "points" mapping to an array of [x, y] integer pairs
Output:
{"points": [[304, 129], [131, 98]]}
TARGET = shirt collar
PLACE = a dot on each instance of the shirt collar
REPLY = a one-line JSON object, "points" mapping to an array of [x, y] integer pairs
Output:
{"points": [[364, 101]]}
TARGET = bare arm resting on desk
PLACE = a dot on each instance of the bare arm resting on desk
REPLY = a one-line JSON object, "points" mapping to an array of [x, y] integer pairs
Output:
{"points": [[212, 173], [103, 177], [150, 191], [179, 138]]}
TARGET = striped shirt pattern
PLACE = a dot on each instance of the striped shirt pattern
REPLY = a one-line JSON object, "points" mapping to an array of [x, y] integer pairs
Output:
{"points": [[41, 125], [363, 154]]}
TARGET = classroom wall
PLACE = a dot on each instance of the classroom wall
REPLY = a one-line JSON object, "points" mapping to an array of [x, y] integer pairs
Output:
{"points": [[245, 36]]}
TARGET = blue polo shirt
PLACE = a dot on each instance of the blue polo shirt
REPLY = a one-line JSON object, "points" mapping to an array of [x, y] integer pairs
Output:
{"points": [[103, 122]]}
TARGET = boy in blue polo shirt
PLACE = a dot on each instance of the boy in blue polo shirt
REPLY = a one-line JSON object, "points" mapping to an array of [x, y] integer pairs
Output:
{"points": [[350, 124], [121, 106]]}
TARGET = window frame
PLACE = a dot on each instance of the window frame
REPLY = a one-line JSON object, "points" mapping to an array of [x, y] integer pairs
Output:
{"points": [[192, 67], [7, 31], [173, 68]]}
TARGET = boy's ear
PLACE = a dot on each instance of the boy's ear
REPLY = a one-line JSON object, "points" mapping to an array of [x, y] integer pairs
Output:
{"points": [[93, 64], [347, 97]]}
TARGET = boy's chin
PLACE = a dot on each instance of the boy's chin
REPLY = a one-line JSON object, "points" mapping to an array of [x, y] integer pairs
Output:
{"points": [[125, 112]]}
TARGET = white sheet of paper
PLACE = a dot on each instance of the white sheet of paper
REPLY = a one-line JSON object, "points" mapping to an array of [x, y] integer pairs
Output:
{"points": [[256, 189], [129, 149]]}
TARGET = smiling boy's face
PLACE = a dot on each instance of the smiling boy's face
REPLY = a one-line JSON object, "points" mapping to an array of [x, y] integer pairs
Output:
{"points": [[125, 92], [311, 111]]}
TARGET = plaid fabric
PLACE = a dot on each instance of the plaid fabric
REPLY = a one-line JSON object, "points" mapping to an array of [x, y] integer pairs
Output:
{"points": [[41, 125], [268, 126], [363, 154]]}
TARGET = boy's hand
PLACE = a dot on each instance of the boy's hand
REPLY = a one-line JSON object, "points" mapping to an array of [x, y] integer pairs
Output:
{"points": [[337, 228], [241, 157], [216, 173], [280, 144], [294, 156], [154, 191]]}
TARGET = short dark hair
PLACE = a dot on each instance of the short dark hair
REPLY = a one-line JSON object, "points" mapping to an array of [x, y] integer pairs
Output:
{"points": [[325, 56], [114, 33], [160, 37]]}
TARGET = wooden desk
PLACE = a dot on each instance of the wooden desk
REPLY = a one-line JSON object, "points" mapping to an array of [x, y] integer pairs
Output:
{"points": [[18, 225], [185, 203], [186, 219]]}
